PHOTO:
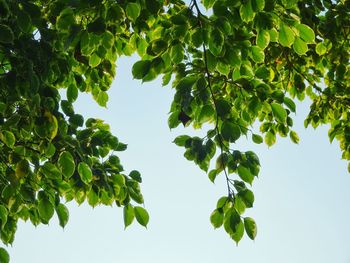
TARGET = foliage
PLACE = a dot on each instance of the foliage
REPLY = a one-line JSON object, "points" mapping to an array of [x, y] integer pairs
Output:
{"points": [[236, 64]]}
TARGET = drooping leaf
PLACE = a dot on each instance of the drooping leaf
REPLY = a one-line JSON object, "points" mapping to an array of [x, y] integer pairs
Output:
{"points": [[270, 138], [72, 93], [289, 103], [245, 174], [230, 131], [45, 209], [294, 137], [257, 138], [129, 215], [141, 215], [63, 214], [250, 227], [102, 98], [238, 233], [279, 112], [216, 218], [141, 68]]}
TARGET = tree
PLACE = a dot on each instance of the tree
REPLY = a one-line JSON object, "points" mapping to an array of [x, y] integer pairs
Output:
{"points": [[232, 63]]}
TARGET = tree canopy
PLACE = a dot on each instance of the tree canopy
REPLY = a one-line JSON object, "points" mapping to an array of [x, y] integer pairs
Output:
{"points": [[238, 66]]}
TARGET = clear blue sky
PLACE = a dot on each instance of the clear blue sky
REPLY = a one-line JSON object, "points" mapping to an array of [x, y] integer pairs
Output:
{"points": [[302, 197]]}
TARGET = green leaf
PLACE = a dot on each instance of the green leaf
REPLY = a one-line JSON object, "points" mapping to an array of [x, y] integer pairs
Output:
{"points": [[223, 108], [8, 138], [217, 218], [216, 41], [197, 38], [289, 103], [102, 98], [141, 215], [66, 164], [279, 112], [257, 138], [230, 131], [247, 197], [263, 39], [246, 11], [94, 60], [3, 215], [129, 215], [85, 172], [245, 174], [136, 176], [6, 34], [77, 120], [72, 93], [270, 138], [239, 204], [258, 5], [63, 214], [238, 233], [22, 168], [258, 55], [45, 209], [181, 140], [4, 256], [212, 175], [177, 53], [24, 21], [222, 202], [306, 33], [141, 68], [231, 221], [50, 171], [250, 227], [92, 198], [294, 137], [133, 11], [286, 35], [208, 3], [321, 48], [299, 46], [65, 20]]}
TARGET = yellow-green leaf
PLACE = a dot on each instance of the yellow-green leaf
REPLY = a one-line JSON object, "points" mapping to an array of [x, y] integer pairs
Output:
{"points": [[286, 35]]}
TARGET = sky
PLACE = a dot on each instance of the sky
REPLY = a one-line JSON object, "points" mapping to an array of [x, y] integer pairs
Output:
{"points": [[301, 196]]}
